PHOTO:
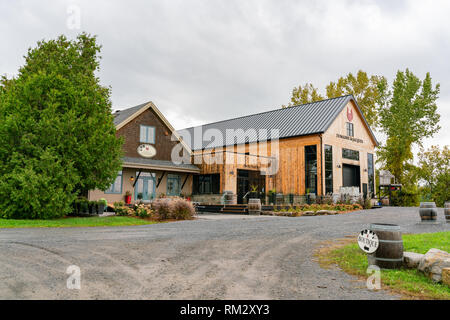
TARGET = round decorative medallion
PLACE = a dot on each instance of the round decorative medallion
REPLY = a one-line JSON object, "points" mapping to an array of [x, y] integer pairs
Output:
{"points": [[146, 151]]}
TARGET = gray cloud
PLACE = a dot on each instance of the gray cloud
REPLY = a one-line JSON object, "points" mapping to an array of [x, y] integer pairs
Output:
{"points": [[203, 61]]}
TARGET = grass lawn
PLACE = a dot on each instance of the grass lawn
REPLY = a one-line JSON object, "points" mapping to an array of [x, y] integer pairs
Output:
{"points": [[410, 283], [74, 222]]}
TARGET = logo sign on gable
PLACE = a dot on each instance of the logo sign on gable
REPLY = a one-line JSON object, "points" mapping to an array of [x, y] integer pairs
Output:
{"points": [[349, 114], [146, 150]]}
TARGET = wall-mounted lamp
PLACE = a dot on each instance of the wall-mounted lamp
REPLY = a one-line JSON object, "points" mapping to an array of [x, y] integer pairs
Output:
{"points": [[365, 170], [131, 178], [339, 166], [231, 172]]}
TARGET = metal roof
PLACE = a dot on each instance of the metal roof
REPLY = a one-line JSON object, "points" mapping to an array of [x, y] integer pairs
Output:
{"points": [[122, 115], [311, 118]]}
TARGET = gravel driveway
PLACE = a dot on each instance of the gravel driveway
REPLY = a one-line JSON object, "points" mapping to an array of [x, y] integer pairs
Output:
{"points": [[213, 257]]}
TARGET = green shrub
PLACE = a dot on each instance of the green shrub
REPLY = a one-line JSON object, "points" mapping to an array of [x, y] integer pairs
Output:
{"points": [[404, 198], [35, 188]]}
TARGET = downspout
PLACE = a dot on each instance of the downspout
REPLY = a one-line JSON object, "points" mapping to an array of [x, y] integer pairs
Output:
{"points": [[321, 165]]}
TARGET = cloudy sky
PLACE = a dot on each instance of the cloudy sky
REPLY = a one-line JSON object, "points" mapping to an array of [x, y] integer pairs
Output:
{"points": [[204, 61]]}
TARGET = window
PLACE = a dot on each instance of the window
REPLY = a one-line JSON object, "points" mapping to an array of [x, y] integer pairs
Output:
{"points": [[147, 134], [207, 184], [370, 170], [328, 169], [173, 185], [311, 169], [350, 131], [116, 187], [350, 154]]}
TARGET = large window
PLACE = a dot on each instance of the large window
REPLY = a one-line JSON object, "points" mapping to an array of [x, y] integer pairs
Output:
{"points": [[350, 131], [116, 187], [311, 169], [350, 154], [173, 185], [328, 169], [371, 173], [207, 184], [147, 134]]}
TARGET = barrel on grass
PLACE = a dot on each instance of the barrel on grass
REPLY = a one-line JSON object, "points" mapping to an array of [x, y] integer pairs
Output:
{"points": [[389, 254], [428, 211], [254, 206], [447, 211]]}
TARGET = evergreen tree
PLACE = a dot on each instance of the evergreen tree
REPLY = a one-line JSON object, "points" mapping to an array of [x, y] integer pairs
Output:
{"points": [[57, 137]]}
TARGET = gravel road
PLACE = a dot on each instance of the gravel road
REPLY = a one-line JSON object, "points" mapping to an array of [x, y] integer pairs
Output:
{"points": [[213, 257]]}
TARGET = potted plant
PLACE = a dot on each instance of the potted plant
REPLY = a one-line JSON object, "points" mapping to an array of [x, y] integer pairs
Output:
{"points": [[92, 207], [84, 206], [272, 196], [128, 197], [101, 205], [253, 191], [291, 197]]}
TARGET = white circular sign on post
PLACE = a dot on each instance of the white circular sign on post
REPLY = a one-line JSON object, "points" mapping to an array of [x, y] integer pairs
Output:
{"points": [[368, 241], [146, 151]]}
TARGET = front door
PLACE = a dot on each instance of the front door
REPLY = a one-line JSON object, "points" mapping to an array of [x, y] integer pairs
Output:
{"points": [[145, 187], [243, 185]]}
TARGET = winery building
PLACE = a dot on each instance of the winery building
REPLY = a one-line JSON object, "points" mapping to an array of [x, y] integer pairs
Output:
{"points": [[319, 148], [147, 170]]}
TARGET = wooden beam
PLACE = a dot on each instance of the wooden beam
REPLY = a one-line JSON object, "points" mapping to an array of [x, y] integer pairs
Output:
{"points": [[160, 179], [185, 180], [139, 174]]}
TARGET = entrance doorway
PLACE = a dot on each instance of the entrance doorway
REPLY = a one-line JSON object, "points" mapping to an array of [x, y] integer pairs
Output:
{"points": [[351, 176], [247, 180], [145, 186]]}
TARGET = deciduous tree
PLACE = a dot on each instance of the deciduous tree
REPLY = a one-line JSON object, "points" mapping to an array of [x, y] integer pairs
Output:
{"points": [[408, 114], [364, 88]]}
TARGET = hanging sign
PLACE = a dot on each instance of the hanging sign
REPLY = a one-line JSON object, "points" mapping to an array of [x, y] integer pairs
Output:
{"points": [[368, 241], [146, 151]]}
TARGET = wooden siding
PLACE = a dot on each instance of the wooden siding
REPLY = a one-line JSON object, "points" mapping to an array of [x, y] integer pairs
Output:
{"points": [[290, 177]]}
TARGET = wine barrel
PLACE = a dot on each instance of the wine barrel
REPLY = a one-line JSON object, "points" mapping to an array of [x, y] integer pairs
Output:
{"points": [[254, 206], [389, 254], [428, 211], [280, 199], [229, 197], [447, 211]]}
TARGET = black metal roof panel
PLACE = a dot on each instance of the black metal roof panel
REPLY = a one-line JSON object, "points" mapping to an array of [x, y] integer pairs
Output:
{"points": [[122, 115], [300, 120]]}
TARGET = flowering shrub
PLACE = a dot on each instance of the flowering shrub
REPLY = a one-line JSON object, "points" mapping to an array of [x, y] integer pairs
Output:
{"points": [[123, 211], [143, 211]]}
